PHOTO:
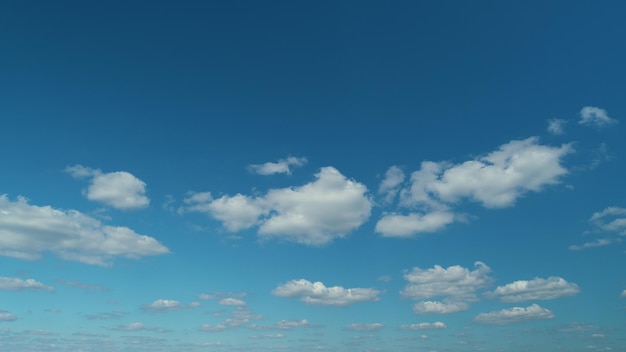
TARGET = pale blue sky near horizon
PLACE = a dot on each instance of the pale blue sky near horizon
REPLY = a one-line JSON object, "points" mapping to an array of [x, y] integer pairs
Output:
{"points": [[331, 175]]}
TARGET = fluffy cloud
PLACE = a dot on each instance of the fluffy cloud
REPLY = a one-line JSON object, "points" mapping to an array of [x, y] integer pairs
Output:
{"points": [[232, 302], [424, 326], [314, 214], [390, 185], [163, 305], [317, 293], [288, 324], [15, 284], [556, 126], [623, 295], [514, 315], [120, 189], [6, 316], [396, 225], [283, 166], [536, 289], [499, 178], [436, 307], [455, 282], [30, 230], [495, 180], [365, 327], [594, 116]]}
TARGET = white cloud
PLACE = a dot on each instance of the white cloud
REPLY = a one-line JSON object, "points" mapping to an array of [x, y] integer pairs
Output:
{"points": [[232, 302], [30, 230], [318, 294], [536, 289], [119, 189], [455, 282], [600, 242], [424, 326], [390, 185], [163, 305], [612, 221], [499, 178], [6, 316], [556, 126], [396, 225], [314, 214], [288, 324], [16, 284], [623, 295], [436, 307], [264, 337], [283, 166], [591, 115], [365, 327], [514, 315]]}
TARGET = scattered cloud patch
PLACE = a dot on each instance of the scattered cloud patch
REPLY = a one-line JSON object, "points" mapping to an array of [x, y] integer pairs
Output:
{"points": [[6, 316], [282, 166], [436, 307], [288, 324], [390, 185], [365, 327], [16, 284], [317, 293], [120, 189], [265, 337], [594, 116], [30, 230], [623, 295], [396, 225], [163, 305], [609, 222], [600, 242], [424, 326], [232, 302], [330, 207], [556, 126], [515, 315], [536, 289], [495, 180]]}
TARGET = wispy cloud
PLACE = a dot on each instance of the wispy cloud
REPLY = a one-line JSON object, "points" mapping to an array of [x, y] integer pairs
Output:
{"points": [[17, 284], [515, 315], [594, 116], [318, 294], [282, 166]]}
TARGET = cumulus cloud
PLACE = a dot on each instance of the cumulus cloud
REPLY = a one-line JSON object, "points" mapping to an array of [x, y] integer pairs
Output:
{"points": [[16, 284], [389, 187], [282, 166], [424, 326], [365, 327], [436, 307], [454, 282], [232, 302], [318, 294], [30, 230], [288, 324], [119, 189], [495, 180], [6, 316], [396, 225], [594, 116], [163, 305], [514, 315], [536, 289], [556, 126], [330, 207]]}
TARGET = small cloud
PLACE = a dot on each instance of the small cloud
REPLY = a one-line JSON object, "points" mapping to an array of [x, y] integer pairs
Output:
{"points": [[119, 189], [283, 166], [435, 307], [163, 305], [623, 295], [232, 302], [6, 316], [16, 284], [389, 186], [424, 326], [536, 289], [594, 116], [384, 278], [365, 327], [265, 337], [288, 324], [600, 242], [318, 294], [556, 126], [514, 315]]}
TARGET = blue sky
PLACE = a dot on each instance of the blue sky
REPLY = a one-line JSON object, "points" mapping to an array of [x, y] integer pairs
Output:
{"points": [[335, 176]]}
